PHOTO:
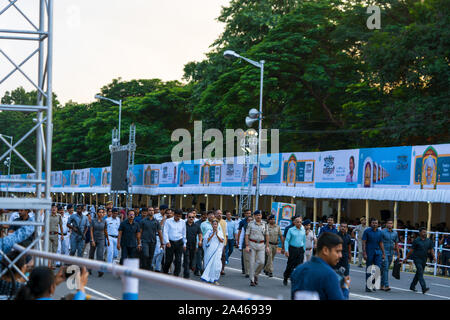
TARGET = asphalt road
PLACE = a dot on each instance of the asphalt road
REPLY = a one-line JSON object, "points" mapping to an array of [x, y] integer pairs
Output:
{"points": [[110, 288]]}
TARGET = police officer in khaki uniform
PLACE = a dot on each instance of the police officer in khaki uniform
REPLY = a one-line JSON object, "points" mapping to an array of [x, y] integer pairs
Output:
{"points": [[56, 228], [256, 239], [274, 234]]}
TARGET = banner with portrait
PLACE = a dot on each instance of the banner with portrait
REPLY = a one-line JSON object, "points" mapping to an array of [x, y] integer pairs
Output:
{"points": [[210, 172], [56, 179], [168, 175], [189, 173], [431, 167], [384, 167], [298, 169], [232, 172], [337, 169], [151, 175], [135, 175], [79, 178], [283, 213]]}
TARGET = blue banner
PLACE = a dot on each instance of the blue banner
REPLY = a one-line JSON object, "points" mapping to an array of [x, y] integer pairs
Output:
{"points": [[384, 167]]}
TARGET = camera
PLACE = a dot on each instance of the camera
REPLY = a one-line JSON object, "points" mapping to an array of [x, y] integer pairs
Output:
{"points": [[341, 275]]}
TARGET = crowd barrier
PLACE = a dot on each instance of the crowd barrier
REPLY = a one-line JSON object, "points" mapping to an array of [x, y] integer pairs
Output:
{"points": [[195, 287], [404, 244]]}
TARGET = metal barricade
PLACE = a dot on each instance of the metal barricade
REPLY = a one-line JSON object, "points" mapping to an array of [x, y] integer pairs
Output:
{"points": [[405, 246], [209, 291]]}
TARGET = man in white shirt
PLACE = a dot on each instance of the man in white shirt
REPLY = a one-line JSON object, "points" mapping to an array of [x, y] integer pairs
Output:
{"points": [[175, 241], [360, 230], [63, 245], [112, 226]]}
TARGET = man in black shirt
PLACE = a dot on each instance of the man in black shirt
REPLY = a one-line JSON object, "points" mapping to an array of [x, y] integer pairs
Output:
{"points": [[346, 249], [199, 254], [192, 231], [149, 228], [129, 237], [420, 247]]}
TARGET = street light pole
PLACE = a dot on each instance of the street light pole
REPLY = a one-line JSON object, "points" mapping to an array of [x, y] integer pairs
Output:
{"points": [[259, 135], [118, 102], [260, 64], [120, 116], [8, 161]]}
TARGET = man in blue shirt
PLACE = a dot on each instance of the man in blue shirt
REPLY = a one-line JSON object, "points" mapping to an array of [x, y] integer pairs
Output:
{"points": [[289, 226], [231, 230], [317, 277], [329, 227], [390, 242], [79, 224], [18, 236], [244, 255], [294, 245], [373, 249]]}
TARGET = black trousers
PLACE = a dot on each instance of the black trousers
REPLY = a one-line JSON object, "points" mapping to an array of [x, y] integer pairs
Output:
{"points": [[189, 259], [128, 252], [176, 249], [445, 261], [199, 260], [296, 256], [148, 250], [242, 261], [420, 267]]}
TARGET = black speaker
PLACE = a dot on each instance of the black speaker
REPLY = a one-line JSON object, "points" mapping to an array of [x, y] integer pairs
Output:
{"points": [[119, 170]]}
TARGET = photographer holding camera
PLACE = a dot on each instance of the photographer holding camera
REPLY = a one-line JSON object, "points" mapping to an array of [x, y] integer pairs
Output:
{"points": [[43, 282], [317, 277]]}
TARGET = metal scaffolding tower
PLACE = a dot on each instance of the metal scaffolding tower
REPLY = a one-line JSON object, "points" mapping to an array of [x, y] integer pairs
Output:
{"points": [[131, 151], [41, 34], [131, 148], [248, 143]]}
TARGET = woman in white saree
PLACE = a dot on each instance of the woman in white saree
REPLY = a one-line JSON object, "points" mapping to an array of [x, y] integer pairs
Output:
{"points": [[213, 243]]}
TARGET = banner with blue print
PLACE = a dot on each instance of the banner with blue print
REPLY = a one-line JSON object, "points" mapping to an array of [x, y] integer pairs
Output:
{"points": [[384, 167], [270, 169], [189, 173]]}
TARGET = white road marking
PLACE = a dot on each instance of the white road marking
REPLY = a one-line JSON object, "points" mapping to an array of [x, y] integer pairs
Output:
{"points": [[365, 297], [440, 285], [100, 294], [428, 294], [368, 297], [276, 278]]}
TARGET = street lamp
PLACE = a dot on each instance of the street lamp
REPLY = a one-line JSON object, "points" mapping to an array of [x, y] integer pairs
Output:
{"points": [[7, 162], [118, 102], [254, 114]]}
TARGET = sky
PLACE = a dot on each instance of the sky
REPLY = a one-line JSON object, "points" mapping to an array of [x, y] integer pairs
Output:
{"points": [[96, 41]]}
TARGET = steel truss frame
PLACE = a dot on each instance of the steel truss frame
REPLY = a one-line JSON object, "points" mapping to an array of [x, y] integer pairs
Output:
{"points": [[42, 34], [131, 148], [245, 199]]}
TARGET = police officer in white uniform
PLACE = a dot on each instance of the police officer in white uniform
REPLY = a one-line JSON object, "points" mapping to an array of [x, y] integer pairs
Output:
{"points": [[112, 225], [63, 245]]}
